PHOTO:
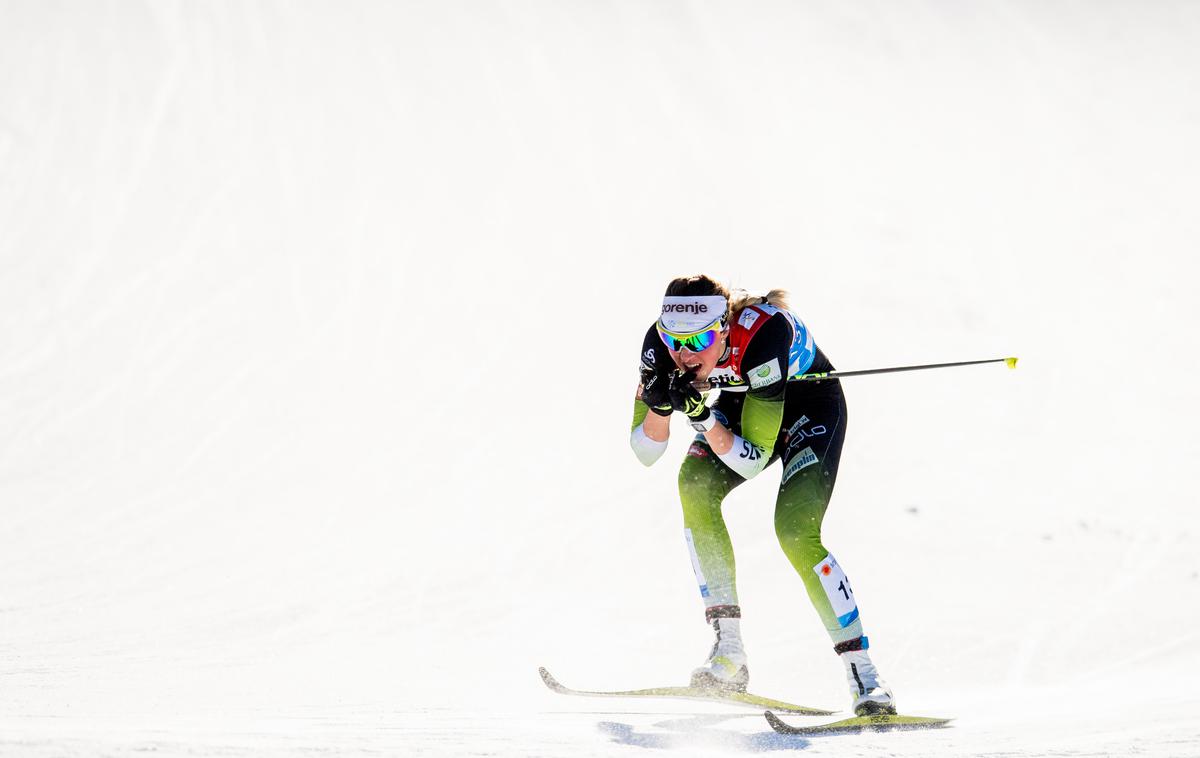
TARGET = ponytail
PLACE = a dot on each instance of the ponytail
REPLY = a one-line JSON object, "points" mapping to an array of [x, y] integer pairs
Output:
{"points": [[740, 298]]}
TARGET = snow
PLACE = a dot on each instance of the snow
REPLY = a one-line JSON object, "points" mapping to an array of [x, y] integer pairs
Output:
{"points": [[317, 337]]}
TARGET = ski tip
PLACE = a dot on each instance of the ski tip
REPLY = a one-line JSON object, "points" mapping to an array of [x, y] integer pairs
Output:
{"points": [[550, 681], [1011, 362], [774, 720]]}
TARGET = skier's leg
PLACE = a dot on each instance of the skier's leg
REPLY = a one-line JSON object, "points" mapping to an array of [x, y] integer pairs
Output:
{"points": [[703, 484], [809, 471], [810, 460]]}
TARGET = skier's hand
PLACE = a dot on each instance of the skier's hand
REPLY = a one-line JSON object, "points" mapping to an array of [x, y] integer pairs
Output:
{"points": [[655, 391], [685, 397]]}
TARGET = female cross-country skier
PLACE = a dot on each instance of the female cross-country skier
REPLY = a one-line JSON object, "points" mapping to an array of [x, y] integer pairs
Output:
{"points": [[753, 346]]}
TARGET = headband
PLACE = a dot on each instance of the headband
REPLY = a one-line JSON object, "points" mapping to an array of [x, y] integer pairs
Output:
{"points": [[692, 313]]}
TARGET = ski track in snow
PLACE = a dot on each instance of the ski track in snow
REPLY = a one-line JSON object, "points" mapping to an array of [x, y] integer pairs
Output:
{"points": [[317, 328]]}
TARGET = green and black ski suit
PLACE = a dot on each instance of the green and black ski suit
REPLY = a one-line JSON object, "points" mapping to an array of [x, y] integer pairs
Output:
{"points": [[800, 423]]}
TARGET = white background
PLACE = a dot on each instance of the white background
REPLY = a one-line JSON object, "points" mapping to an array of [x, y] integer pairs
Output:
{"points": [[318, 334]]}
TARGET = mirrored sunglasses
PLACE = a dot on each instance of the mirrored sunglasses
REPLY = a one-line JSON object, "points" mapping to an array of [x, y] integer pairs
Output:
{"points": [[693, 342]]}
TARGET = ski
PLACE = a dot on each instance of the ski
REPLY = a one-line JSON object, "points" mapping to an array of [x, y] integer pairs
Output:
{"points": [[692, 693], [858, 724]]}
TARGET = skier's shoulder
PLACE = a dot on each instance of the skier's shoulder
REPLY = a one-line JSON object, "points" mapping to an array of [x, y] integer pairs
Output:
{"points": [[763, 328], [762, 337], [775, 341]]}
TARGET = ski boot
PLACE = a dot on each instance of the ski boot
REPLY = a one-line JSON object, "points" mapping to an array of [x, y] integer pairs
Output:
{"points": [[871, 694], [725, 670]]}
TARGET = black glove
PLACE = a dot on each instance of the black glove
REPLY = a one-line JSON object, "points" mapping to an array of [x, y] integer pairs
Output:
{"points": [[656, 391], [685, 397]]}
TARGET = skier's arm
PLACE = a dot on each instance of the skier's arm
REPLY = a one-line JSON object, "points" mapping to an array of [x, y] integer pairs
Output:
{"points": [[762, 413], [749, 453], [650, 431]]}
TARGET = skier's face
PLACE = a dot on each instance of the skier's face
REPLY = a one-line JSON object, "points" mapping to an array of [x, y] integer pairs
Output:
{"points": [[704, 361]]}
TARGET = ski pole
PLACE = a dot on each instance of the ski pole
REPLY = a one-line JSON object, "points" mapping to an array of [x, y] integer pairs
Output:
{"points": [[826, 375]]}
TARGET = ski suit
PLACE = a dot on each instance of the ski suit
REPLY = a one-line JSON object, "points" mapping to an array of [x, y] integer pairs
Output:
{"points": [[800, 423]]}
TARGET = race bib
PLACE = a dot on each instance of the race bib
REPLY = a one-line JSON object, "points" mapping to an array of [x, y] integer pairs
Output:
{"points": [[837, 589]]}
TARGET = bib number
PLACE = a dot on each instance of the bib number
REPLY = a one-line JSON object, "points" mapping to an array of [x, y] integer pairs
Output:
{"points": [[837, 588]]}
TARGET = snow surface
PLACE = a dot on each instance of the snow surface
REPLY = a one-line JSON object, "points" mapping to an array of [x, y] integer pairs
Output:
{"points": [[318, 330]]}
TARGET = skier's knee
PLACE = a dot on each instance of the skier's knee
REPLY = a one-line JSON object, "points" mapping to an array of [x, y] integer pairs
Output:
{"points": [[698, 498], [799, 531], [697, 484]]}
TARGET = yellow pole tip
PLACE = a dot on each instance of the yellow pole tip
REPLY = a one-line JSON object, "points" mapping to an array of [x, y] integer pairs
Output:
{"points": [[1011, 362]]}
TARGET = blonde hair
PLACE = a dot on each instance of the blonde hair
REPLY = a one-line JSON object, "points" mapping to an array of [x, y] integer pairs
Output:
{"points": [[702, 285], [740, 298]]}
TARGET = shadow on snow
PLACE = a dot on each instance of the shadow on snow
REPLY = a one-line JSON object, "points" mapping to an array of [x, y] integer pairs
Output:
{"points": [[697, 731]]}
